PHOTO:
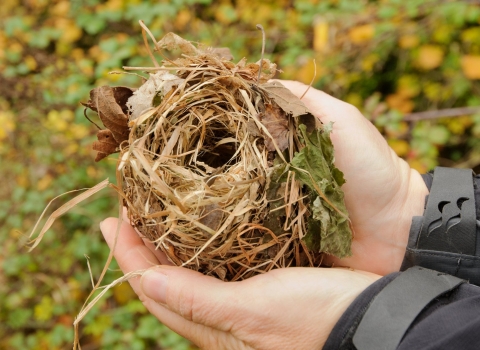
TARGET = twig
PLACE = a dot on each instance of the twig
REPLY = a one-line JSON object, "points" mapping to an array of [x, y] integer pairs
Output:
{"points": [[313, 79], [144, 35], [91, 121], [442, 113], [260, 27]]}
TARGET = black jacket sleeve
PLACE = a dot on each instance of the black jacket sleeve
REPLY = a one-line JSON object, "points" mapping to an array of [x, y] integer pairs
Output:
{"points": [[451, 321]]}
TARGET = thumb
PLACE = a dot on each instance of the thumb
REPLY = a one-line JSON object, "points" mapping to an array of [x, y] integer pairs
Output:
{"points": [[195, 297]]}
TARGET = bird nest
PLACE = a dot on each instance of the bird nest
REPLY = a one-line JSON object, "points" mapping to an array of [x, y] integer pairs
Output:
{"points": [[224, 171]]}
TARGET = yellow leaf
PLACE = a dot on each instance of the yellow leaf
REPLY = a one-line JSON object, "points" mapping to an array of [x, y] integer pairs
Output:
{"points": [[307, 72], [354, 99], [443, 33], [225, 14], [61, 9], [418, 165], [408, 41], [70, 31], [114, 5], [7, 124], [22, 180], [432, 91], [429, 57], [15, 47], [471, 66], [3, 41], [183, 17], [44, 310], [401, 147], [320, 35], [361, 34], [79, 131], [44, 182], [458, 125], [30, 62], [400, 103], [59, 120], [71, 149], [92, 172], [396, 130], [75, 290], [408, 86], [471, 35], [77, 54], [123, 293], [369, 62]]}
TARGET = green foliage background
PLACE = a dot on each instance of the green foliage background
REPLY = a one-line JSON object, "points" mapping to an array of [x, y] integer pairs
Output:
{"points": [[389, 58]]}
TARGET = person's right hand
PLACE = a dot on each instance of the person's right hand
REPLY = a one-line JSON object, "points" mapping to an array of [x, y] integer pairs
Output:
{"points": [[382, 192]]}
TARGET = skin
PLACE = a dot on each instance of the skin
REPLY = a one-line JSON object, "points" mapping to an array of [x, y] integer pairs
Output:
{"points": [[382, 192], [294, 308]]}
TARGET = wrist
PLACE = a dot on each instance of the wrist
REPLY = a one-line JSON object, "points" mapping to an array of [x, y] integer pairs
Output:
{"points": [[413, 205]]}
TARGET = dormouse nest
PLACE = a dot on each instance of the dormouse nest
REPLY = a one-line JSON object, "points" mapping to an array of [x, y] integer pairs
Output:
{"points": [[223, 170]]}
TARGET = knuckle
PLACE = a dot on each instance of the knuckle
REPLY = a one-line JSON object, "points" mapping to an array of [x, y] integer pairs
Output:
{"points": [[186, 304]]}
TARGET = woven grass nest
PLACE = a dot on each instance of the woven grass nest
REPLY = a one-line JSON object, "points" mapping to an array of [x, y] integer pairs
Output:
{"points": [[224, 171]]}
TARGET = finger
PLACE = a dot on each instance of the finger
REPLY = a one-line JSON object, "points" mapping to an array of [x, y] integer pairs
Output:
{"points": [[195, 297], [132, 255], [325, 107], [203, 336], [129, 251]]}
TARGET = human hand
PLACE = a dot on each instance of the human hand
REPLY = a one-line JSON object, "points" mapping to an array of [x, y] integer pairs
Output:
{"points": [[293, 308], [382, 193]]}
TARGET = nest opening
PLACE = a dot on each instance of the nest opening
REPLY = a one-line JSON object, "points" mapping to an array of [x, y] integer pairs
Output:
{"points": [[213, 152]]}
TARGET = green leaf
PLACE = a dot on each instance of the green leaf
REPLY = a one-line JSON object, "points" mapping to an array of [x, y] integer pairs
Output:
{"points": [[328, 227]]}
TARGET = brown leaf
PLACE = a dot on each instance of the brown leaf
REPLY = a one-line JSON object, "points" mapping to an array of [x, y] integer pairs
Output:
{"points": [[172, 41], [290, 103], [105, 145], [121, 95], [110, 104], [212, 216], [220, 52], [276, 122]]}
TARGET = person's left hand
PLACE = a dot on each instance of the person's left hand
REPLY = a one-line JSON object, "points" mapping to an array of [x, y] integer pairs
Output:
{"points": [[292, 308]]}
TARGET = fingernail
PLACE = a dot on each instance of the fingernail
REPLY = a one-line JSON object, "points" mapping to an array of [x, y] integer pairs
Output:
{"points": [[154, 285]]}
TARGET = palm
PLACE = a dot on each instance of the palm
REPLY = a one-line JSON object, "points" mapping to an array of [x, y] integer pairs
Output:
{"points": [[382, 193], [240, 315]]}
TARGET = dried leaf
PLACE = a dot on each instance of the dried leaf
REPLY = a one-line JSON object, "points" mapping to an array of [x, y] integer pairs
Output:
{"points": [[105, 101], [212, 216], [156, 87], [172, 41], [105, 145], [276, 123], [121, 95], [221, 52], [328, 230], [290, 103]]}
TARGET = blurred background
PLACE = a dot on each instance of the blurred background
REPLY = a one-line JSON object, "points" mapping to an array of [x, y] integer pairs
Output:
{"points": [[392, 59]]}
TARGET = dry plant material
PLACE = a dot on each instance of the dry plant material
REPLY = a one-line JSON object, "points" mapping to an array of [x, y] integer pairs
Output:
{"points": [[224, 171]]}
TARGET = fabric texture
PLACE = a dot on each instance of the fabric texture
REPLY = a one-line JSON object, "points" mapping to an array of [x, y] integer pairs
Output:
{"points": [[451, 321]]}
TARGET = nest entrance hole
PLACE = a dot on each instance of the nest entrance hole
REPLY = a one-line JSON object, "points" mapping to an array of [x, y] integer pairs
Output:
{"points": [[214, 153]]}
